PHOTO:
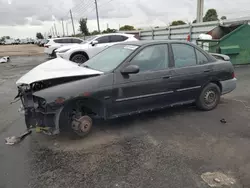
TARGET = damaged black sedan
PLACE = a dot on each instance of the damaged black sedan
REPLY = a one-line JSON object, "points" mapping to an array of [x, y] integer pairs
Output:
{"points": [[124, 79]]}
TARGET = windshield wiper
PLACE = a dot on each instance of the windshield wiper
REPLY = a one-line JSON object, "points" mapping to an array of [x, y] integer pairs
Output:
{"points": [[86, 66]]}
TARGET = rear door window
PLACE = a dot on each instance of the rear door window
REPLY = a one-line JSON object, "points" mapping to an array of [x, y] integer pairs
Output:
{"points": [[117, 38], [104, 39], [184, 55], [78, 41], [67, 40]]}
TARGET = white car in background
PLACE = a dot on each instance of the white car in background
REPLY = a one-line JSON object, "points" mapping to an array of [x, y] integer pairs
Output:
{"points": [[55, 43], [9, 41], [90, 47]]}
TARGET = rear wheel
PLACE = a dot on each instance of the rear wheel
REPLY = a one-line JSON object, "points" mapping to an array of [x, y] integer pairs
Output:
{"points": [[79, 58], [209, 97]]}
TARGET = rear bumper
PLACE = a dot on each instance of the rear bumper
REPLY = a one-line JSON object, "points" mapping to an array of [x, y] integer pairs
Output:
{"points": [[228, 86]]}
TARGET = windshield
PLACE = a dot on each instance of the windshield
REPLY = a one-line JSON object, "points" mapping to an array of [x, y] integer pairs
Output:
{"points": [[110, 58], [88, 39]]}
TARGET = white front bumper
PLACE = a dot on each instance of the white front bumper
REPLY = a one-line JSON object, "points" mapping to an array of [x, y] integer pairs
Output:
{"points": [[46, 50], [62, 55]]}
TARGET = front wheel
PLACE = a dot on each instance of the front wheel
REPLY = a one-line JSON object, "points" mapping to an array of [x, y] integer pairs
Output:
{"points": [[82, 125], [73, 119], [79, 58], [209, 97]]}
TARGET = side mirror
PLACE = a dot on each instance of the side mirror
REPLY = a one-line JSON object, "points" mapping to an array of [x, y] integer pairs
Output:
{"points": [[93, 43], [131, 69]]}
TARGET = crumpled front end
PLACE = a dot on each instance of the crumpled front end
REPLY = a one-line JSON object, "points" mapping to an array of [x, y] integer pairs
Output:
{"points": [[37, 112]]}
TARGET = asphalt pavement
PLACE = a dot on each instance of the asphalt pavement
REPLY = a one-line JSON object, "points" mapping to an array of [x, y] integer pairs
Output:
{"points": [[170, 148]]}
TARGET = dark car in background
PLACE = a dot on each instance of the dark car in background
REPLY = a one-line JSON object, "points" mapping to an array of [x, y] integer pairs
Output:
{"points": [[124, 79]]}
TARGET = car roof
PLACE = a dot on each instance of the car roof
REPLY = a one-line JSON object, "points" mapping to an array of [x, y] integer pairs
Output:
{"points": [[148, 42], [65, 38], [107, 34]]}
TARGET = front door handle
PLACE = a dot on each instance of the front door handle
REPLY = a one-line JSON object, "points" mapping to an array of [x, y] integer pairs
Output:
{"points": [[166, 77], [208, 70]]}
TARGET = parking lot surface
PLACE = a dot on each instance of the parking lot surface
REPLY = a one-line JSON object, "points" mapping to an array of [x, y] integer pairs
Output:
{"points": [[169, 148], [20, 50]]}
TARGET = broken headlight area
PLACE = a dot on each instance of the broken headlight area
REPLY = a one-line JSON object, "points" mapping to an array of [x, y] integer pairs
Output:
{"points": [[37, 112]]}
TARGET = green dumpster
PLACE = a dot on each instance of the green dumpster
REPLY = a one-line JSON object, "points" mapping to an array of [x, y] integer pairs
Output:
{"points": [[233, 40]]}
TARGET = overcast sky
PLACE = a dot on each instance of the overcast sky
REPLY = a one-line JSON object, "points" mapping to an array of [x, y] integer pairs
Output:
{"points": [[23, 18]]}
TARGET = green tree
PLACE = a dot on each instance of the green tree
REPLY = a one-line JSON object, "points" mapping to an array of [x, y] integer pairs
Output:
{"points": [[223, 18], [127, 28], [211, 15], [178, 22], [95, 32], [4, 37], [83, 26], [39, 35], [109, 31]]}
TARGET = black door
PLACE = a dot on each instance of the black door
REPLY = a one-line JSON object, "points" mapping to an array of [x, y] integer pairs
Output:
{"points": [[148, 89], [191, 71]]}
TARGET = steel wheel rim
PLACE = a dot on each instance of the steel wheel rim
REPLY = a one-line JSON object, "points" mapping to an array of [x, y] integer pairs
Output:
{"points": [[210, 97]]}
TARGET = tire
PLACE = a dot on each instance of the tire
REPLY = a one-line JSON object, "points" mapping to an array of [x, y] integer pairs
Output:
{"points": [[79, 58], [209, 97], [53, 55]]}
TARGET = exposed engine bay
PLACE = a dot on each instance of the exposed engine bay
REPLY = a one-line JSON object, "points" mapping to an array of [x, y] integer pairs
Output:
{"points": [[36, 110]]}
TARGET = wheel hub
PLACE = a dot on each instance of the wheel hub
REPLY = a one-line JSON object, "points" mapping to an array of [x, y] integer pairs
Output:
{"points": [[82, 124], [210, 96]]}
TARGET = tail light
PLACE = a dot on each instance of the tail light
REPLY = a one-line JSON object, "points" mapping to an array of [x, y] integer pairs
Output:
{"points": [[46, 46], [188, 38], [233, 75]]}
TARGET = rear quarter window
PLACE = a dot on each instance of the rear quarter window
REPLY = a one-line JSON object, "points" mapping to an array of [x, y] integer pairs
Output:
{"points": [[201, 58]]}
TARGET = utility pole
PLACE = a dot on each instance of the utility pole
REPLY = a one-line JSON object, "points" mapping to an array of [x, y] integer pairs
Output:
{"points": [[63, 28], [72, 22], [67, 29], [200, 7], [97, 16], [107, 25], [53, 34], [55, 29]]}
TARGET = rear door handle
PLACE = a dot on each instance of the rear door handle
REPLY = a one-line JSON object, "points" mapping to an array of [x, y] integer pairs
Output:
{"points": [[166, 77], [208, 70]]}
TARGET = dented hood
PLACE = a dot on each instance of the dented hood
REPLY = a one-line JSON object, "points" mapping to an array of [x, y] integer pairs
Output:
{"points": [[56, 68]]}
